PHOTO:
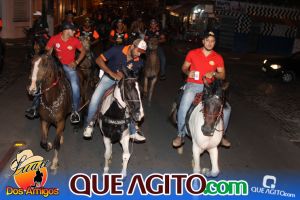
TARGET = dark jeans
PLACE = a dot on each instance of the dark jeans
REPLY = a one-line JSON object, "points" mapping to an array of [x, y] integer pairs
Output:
{"points": [[162, 60]]}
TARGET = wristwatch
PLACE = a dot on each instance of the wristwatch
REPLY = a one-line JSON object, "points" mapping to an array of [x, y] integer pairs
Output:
{"points": [[76, 62], [214, 74]]}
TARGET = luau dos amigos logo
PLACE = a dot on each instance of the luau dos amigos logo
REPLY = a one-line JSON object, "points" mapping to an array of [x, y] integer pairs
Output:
{"points": [[30, 174]]}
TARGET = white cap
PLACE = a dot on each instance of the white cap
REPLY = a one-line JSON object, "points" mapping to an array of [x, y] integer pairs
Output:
{"points": [[37, 13], [141, 45]]}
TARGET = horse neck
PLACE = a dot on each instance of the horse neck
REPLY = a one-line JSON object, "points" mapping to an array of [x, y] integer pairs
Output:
{"points": [[52, 93], [107, 101]]}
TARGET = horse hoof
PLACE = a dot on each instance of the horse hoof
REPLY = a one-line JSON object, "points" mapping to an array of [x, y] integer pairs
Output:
{"points": [[208, 173], [105, 170], [205, 172], [61, 140], [124, 174], [180, 150], [54, 167], [53, 172], [49, 146]]}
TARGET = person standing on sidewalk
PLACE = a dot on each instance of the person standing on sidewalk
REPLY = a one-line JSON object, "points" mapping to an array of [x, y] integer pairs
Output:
{"points": [[209, 64]]}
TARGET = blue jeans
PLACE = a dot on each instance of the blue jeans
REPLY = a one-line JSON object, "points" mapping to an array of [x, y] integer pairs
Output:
{"points": [[74, 80], [191, 89], [104, 84], [162, 60]]}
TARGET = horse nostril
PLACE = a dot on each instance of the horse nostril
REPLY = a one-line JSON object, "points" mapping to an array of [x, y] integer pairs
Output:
{"points": [[206, 130]]}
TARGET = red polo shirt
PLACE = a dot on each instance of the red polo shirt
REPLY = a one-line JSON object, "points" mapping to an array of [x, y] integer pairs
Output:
{"points": [[203, 64], [65, 50]]}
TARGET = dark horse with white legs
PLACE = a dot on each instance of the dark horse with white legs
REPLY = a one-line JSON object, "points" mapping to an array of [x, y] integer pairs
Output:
{"points": [[55, 96], [121, 105], [204, 122]]}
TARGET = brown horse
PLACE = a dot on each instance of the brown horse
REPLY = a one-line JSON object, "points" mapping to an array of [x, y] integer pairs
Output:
{"points": [[85, 71], [55, 98], [152, 68]]}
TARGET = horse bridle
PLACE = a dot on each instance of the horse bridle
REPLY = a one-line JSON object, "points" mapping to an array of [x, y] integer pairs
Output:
{"points": [[128, 100], [219, 115]]}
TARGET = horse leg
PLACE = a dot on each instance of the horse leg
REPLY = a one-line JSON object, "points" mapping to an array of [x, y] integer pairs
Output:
{"points": [[145, 86], [196, 157], [213, 154], [126, 155], [57, 142], [153, 81], [107, 154], [44, 139]]}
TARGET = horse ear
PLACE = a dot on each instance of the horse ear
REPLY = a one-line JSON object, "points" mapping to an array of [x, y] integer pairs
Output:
{"points": [[225, 85]]}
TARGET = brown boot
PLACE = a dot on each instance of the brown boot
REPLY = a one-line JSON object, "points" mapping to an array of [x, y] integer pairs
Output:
{"points": [[178, 141], [225, 142]]}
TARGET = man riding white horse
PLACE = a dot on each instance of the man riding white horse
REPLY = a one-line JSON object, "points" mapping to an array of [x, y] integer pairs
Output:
{"points": [[111, 62], [200, 63]]}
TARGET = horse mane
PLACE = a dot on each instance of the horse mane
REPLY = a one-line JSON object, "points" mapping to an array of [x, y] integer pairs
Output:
{"points": [[215, 88], [52, 62]]}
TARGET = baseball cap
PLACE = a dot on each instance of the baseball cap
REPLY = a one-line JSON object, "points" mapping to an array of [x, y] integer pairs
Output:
{"points": [[120, 21], [68, 25], [141, 45], [208, 33], [37, 13]]}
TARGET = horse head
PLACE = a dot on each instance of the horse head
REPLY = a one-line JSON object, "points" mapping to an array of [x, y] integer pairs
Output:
{"points": [[213, 101], [86, 42], [128, 94], [42, 70]]}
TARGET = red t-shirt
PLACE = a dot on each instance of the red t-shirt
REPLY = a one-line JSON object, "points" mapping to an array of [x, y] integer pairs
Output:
{"points": [[65, 50], [203, 64]]}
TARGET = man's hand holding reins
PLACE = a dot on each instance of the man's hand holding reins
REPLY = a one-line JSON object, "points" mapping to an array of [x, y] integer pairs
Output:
{"points": [[117, 75], [73, 65]]}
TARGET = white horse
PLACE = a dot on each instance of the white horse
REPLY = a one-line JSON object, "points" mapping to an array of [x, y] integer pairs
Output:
{"points": [[119, 108], [207, 128]]}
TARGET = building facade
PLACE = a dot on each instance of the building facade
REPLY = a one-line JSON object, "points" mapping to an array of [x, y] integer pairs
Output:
{"points": [[17, 14]]}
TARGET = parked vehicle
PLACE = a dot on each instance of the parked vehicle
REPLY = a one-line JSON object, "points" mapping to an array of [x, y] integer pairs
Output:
{"points": [[286, 68]]}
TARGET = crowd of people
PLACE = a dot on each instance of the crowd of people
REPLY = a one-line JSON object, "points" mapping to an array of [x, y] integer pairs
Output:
{"points": [[122, 41]]}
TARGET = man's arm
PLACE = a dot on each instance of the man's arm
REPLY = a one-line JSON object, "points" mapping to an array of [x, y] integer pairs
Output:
{"points": [[49, 50], [219, 74], [186, 69], [80, 57], [101, 63]]}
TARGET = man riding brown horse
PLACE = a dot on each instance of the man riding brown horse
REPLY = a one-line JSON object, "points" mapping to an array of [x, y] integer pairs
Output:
{"points": [[65, 45]]}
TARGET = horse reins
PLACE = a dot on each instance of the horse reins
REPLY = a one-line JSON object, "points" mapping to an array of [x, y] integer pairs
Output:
{"points": [[55, 83], [219, 115]]}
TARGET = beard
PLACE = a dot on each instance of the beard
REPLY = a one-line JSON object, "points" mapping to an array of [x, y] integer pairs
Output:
{"points": [[206, 49]]}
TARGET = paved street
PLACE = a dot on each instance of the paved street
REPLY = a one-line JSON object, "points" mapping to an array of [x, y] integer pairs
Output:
{"points": [[264, 126]]}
